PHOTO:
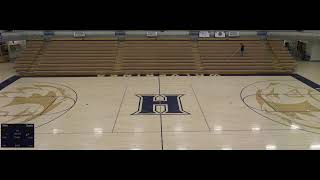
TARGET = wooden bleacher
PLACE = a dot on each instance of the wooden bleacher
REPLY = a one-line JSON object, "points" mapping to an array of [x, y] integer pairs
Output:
{"points": [[59, 58], [157, 57], [285, 60], [4, 57], [65, 57]]}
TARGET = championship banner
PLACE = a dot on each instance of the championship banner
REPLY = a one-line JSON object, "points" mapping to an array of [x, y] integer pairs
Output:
{"points": [[120, 33], [219, 34], [48, 33], [151, 34], [13, 43], [262, 33], [234, 34], [204, 34], [15, 47], [79, 34]]}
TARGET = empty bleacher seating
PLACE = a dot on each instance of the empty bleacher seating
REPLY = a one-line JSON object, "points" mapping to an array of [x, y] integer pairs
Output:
{"points": [[69, 58], [61, 57], [285, 60], [157, 57]]}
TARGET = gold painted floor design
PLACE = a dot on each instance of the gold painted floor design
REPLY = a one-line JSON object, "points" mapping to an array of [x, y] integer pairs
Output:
{"points": [[38, 103], [286, 103]]}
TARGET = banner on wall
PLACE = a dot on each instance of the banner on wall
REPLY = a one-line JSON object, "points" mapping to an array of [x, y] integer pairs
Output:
{"points": [[219, 34], [262, 33], [79, 34], [48, 33], [16, 47], [234, 33], [151, 34], [204, 34], [13, 43]]}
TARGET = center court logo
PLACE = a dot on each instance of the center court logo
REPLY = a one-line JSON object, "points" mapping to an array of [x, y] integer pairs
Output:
{"points": [[164, 104]]}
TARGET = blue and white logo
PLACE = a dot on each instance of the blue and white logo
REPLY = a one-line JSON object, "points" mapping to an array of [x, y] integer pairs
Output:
{"points": [[164, 104]]}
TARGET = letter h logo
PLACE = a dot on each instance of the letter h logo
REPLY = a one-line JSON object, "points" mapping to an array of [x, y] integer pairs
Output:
{"points": [[155, 104]]}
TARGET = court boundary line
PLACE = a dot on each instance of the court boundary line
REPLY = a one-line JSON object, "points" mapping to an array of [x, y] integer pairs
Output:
{"points": [[205, 119], [155, 132], [161, 128], [115, 122], [307, 81]]}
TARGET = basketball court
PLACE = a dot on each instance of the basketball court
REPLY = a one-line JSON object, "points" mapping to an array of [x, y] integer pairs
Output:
{"points": [[166, 112], [159, 90]]}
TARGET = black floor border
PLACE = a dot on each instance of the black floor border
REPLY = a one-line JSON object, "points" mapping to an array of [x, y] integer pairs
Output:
{"points": [[254, 74], [306, 81], [9, 81], [161, 123]]}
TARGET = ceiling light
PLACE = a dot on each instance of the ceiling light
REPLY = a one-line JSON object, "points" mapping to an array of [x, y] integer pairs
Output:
{"points": [[271, 147]]}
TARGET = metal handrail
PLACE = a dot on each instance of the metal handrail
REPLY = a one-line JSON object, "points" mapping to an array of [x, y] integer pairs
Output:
{"points": [[37, 55], [272, 52], [236, 51]]}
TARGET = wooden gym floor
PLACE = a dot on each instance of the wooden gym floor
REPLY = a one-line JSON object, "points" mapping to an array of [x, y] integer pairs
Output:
{"points": [[215, 112]]}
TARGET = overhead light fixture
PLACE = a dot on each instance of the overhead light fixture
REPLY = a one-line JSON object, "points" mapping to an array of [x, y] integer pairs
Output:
{"points": [[56, 131], [315, 147], [294, 126], [98, 130], [217, 128], [271, 147], [178, 129], [255, 129], [182, 148]]}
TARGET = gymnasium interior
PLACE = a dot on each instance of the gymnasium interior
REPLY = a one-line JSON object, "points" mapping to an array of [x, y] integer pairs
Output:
{"points": [[160, 89]]}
